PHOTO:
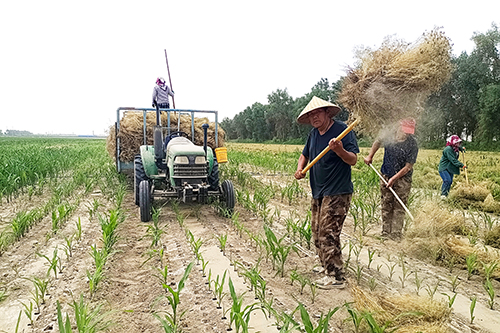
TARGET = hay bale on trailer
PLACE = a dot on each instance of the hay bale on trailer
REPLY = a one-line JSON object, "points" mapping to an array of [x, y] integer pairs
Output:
{"points": [[131, 132], [394, 81]]}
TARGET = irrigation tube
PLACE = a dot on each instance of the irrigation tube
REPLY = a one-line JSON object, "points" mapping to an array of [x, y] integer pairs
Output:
{"points": [[393, 192]]}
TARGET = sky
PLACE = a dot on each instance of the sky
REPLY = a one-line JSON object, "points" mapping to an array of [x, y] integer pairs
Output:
{"points": [[66, 66]]}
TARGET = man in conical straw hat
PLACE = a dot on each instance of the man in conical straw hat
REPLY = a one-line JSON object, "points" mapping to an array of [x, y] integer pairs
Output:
{"points": [[331, 185]]}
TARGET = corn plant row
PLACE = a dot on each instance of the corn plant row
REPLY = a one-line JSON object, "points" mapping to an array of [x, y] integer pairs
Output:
{"points": [[31, 161]]}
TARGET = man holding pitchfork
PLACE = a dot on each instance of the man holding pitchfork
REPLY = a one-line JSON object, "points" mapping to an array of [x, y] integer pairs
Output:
{"points": [[331, 185]]}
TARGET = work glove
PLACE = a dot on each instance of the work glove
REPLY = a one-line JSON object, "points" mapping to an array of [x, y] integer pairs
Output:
{"points": [[464, 167], [153, 105]]}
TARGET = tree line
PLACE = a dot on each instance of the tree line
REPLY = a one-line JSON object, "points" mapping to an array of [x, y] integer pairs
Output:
{"points": [[467, 105]]}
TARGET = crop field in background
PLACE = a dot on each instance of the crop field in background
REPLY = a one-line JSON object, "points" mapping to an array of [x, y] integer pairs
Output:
{"points": [[72, 246]]}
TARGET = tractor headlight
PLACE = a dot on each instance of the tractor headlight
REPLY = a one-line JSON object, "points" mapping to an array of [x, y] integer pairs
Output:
{"points": [[181, 160], [200, 160]]}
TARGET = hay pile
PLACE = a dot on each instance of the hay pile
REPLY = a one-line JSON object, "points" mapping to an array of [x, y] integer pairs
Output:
{"points": [[131, 132], [401, 311], [394, 81], [433, 220]]}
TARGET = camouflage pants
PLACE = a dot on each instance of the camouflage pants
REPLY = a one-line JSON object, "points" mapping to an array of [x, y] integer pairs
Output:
{"points": [[328, 216], [393, 214]]}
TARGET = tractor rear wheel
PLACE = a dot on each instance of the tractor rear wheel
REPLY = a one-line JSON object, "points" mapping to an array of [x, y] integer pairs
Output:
{"points": [[139, 176], [145, 200], [228, 197]]}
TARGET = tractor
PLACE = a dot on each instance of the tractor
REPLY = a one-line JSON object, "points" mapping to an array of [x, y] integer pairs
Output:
{"points": [[176, 168]]}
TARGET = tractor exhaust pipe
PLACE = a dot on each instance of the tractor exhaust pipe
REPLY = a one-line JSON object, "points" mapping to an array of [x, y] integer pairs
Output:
{"points": [[205, 127]]}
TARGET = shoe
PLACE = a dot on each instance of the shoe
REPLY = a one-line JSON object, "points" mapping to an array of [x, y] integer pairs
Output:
{"points": [[318, 269], [329, 282], [443, 197]]}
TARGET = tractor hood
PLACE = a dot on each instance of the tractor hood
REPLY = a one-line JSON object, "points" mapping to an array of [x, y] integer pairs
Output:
{"points": [[180, 145]]}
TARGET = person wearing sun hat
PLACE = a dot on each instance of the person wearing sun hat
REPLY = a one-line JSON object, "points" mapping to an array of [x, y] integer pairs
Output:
{"points": [[400, 153], [449, 164], [331, 185]]}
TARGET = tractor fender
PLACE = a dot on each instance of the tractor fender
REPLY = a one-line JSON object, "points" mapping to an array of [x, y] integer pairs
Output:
{"points": [[148, 160]]}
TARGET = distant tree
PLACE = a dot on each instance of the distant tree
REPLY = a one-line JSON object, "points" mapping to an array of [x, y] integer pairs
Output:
{"points": [[280, 113], [489, 118]]}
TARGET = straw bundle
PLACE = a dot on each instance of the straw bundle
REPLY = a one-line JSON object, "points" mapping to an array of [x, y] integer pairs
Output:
{"points": [[432, 220], [131, 132], [394, 81], [474, 192], [401, 310]]}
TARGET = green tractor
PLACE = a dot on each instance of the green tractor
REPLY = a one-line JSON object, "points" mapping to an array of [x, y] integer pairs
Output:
{"points": [[175, 168]]}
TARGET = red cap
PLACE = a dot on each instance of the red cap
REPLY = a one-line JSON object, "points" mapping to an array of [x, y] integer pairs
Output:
{"points": [[408, 126]]}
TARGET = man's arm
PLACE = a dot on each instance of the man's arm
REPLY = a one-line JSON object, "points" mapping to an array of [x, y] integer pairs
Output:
{"points": [[375, 147], [300, 166], [401, 173]]}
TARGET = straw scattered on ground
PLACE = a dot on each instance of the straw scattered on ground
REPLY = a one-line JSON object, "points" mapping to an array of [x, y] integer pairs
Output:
{"points": [[408, 312], [131, 132], [394, 81]]}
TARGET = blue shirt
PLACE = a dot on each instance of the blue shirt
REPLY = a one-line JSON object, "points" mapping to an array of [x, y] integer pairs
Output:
{"points": [[397, 154], [330, 175]]}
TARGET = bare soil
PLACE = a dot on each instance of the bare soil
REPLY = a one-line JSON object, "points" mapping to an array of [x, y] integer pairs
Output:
{"points": [[133, 292]]}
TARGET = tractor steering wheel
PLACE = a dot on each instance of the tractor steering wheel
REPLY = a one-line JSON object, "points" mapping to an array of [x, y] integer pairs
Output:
{"points": [[179, 133]]}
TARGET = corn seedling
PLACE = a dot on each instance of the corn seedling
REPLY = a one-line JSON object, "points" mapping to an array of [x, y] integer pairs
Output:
{"points": [[28, 311], [172, 319], [219, 293], [472, 308], [488, 286], [454, 282], [18, 321], [418, 283], [471, 262], [162, 275], [372, 283], [355, 316], [204, 266], [285, 322], [391, 270], [78, 233], [41, 288], [94, 208], [322, 323], [431, 291], [370, 257], [108, 227], [301, 279], [313, 287], [68, 246], [195, 245], [405, 273], [222, 243], [358, 272], [278, 250], [239, 315], [451, 299], [94, 279], [52, 262], [153, 230], [489, 269], [3, 294]]}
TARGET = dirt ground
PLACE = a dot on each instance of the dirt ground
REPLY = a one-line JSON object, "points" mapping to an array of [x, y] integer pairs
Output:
{"points": [[132, 290]]}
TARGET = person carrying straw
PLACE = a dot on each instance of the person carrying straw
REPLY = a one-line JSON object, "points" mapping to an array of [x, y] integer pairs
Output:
{"points": [[400, 153], [331, 185]]}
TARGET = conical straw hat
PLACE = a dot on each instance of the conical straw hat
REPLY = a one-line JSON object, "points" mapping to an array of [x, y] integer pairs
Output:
{"points": [[317, 103]]}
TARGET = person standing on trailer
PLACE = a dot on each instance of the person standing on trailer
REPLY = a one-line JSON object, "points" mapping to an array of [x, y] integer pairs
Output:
{"points": [[161, 92], [331, 185]]}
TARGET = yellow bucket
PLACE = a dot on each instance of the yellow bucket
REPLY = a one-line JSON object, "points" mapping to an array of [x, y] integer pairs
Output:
{"points": [[221, 154]]}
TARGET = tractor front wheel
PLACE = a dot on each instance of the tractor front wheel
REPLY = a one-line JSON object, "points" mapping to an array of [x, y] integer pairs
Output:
{"points": [[145, 200], [228, 197]]}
